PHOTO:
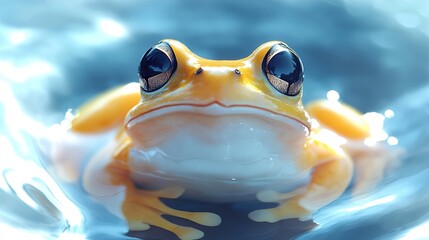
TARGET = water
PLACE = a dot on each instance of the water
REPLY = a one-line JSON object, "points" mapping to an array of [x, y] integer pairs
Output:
{"points": [[54, 56]]}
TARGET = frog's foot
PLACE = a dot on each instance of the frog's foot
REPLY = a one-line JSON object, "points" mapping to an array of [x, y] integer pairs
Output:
{"points": [[143, 208], [371, 160], [329, 180], [288, 208], [371, 164]]}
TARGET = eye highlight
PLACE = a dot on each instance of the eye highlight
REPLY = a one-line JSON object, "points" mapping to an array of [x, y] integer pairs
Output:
{"points": [[283, 69], [156, 67]]}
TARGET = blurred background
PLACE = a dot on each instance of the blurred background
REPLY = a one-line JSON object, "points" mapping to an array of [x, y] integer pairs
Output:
{"points": [[54, 55]]}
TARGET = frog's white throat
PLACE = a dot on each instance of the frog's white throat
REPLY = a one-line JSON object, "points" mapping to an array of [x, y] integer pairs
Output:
{"points": [[199, 145]]}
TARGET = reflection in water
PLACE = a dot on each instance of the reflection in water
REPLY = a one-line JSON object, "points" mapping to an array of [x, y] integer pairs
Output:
{"points": [[36, 74], [419, 232], [31, 198]]}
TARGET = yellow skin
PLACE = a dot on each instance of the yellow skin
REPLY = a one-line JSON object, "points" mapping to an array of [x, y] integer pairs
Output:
{"points": [[219, 84]]}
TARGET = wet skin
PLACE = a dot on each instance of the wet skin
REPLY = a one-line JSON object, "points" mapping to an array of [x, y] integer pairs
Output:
{"points": [[218, 132]]}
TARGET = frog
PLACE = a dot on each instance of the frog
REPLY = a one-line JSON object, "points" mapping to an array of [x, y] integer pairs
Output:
{"points": [[217, 131]]}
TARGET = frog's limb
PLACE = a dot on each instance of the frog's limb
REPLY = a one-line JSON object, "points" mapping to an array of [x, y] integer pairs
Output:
{"points": [[341, 118], [370, 161], [143, 208], [107, 110], [332, 173]]}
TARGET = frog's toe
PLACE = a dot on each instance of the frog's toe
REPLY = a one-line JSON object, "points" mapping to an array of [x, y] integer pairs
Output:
{"points": [[156, 219], [205, 218], [286, 210], [192, 234], [138, 226], [202, 218], [275, 215], [211, 220], [265, 215], [184, 233]]}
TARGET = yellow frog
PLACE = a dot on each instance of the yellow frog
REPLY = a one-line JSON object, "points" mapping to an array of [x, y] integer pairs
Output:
{"points": [[217, 131]]}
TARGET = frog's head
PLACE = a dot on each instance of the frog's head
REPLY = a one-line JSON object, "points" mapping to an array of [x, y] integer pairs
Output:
{"points": [[226, 119]]}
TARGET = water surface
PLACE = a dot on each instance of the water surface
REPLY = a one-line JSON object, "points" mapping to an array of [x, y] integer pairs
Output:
{"points": [[54, 56]]}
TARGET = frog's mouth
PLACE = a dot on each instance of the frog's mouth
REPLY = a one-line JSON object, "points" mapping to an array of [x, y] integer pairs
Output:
{"points": [[204, 144]]}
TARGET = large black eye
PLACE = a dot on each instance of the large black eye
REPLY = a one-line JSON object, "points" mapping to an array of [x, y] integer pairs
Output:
{"points": [[156, 67], [284, 69]]}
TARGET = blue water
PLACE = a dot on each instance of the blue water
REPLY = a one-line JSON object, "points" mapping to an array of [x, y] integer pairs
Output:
{"points": [[55, 55]]}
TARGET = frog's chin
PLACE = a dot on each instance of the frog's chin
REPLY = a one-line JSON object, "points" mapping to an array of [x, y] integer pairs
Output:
{"points": [[233, 151]]}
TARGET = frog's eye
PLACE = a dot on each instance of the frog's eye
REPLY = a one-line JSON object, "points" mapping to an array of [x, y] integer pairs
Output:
{"points": [[283, 69], [156, 67]]}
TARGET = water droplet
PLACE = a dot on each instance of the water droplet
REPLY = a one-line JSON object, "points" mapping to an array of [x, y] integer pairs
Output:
{"points": [[392, 141], [333, 95], [389, 113], [370, 142]]}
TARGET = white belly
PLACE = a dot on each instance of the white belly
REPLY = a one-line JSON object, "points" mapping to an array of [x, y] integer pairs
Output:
{"points": [[218, 156]]}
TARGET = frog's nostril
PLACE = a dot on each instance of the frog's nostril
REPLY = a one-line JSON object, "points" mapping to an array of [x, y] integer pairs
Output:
{"points": [[199, 70]]}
